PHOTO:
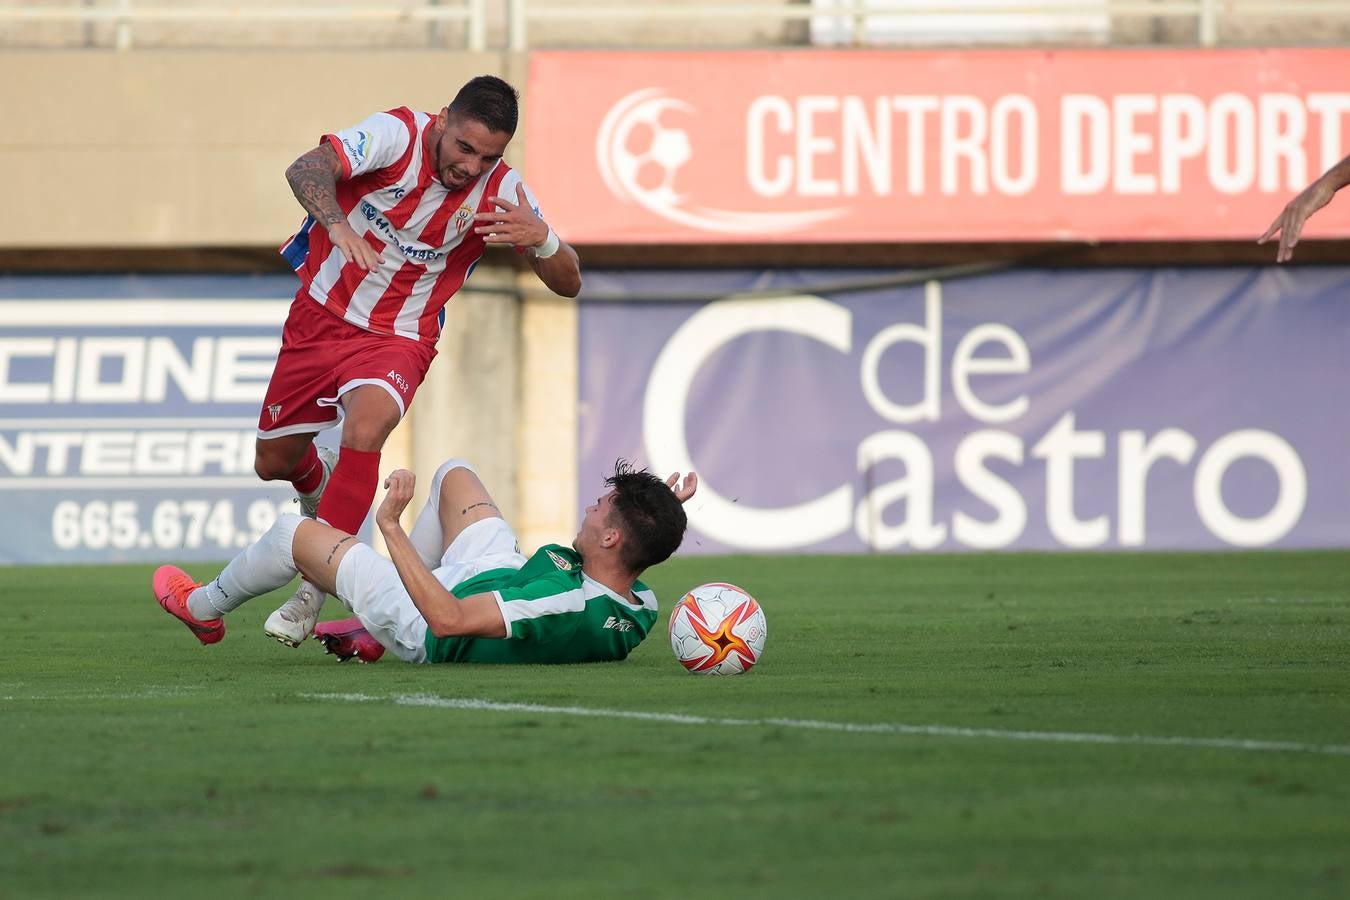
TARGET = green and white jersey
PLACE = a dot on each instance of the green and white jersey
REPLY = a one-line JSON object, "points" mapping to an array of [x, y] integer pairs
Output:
{"points": [[554, 613]]}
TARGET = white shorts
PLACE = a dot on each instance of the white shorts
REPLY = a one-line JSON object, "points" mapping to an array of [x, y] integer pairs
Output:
{"points": [[368, 584]]}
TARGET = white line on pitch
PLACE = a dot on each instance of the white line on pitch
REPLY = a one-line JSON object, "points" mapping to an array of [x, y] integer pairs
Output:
{"points": [[147, 694], [1060, 737]]}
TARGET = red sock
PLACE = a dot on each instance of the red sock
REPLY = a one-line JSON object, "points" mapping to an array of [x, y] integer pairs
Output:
{"points": [[350, 490], [308, 474]]}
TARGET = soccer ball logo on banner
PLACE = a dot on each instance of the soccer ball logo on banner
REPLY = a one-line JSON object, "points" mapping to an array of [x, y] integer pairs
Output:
{"points": [[651, 154], [717, 629], [640, 152]]}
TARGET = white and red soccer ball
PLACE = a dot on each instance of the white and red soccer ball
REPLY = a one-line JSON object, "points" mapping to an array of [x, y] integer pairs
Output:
{"points": [[717, 629]]}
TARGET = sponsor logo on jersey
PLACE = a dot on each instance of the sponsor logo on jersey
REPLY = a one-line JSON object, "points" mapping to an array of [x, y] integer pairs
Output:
{"points": [[561, 562], [359, 148], [618, 624], [390, 234]]}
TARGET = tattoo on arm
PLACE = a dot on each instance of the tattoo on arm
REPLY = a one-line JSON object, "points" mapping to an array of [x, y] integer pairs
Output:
{"points": [[336, 546], [314, 185], [466, 509]]}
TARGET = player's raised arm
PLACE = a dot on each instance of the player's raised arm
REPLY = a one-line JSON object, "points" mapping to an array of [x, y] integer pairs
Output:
{"points": [[515, 222], [560, 271], [313, 179]]}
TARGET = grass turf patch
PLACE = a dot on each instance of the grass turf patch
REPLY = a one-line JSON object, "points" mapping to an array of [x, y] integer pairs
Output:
{"points": [[138, 763]]}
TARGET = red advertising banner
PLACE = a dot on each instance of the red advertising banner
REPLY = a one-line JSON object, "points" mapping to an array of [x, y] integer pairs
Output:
{"points": [[850, 146]]}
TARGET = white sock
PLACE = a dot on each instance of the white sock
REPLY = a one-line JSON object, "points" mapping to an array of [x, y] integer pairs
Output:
{"points": [[263, 566]]}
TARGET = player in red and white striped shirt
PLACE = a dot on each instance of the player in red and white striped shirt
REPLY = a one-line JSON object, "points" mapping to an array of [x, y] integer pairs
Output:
{"points": [[401, 207]]}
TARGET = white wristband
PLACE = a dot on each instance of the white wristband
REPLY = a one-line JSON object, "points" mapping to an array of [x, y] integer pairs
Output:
{"points": [[548, 247]]}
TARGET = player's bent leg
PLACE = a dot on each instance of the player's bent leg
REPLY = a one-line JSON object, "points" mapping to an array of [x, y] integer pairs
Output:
{"points": [[428, 535], [258, 569], [370, 415], [368, 584], [313, 543], [310, 491], [294, 620], [263, 566], [276, 458], [318, 549], [462, 499], [342, 499]]}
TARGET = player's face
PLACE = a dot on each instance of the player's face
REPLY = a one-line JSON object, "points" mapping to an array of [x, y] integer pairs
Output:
{"points": [[594, 524], [466, 150]]}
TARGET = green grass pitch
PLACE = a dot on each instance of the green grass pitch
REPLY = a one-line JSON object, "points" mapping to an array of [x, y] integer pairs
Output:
{"points": [[136, 763]]}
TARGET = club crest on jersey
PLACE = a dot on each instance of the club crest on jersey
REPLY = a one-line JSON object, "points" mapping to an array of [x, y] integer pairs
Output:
{"points": [[561, 562], [274, 410], [463, 216]]}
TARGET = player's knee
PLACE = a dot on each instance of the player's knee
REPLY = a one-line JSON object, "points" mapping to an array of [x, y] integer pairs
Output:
{"points": [[438, 482], [268, 467], [287, 522], [280, 538], [368, 423], [450, 465], [365, 437]]}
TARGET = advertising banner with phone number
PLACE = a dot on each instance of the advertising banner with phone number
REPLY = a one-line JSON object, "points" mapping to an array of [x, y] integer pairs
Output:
{"points": [[128, 413]]}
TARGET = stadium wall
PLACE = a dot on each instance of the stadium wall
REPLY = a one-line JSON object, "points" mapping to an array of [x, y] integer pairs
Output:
{"points": [[188, 148]]}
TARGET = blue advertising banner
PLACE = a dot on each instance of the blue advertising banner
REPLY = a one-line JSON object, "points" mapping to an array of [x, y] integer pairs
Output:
{"points": [[128, 412], [1030, 409]]}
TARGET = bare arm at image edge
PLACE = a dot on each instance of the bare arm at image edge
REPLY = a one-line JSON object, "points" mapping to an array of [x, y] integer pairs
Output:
{"points": [[1289, 223]]}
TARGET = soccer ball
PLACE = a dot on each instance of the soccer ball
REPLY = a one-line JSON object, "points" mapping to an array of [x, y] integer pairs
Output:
{"points": [[717, 629]]}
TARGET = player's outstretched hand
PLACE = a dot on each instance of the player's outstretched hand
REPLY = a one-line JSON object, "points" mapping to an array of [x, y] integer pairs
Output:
{"points": [[686, 490], [399, 486], [512, 223], [1289, 223]]}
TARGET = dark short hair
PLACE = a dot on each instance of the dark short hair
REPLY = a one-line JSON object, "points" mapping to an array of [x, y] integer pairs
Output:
{"points": [[489, 100], [650, 516]]}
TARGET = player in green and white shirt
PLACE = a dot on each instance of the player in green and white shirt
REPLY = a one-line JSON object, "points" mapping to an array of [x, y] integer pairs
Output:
{"points": [[554, 612], [458, 588]]}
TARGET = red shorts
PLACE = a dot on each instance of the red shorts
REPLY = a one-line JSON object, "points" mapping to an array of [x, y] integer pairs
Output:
{"points": [[323, 357]]}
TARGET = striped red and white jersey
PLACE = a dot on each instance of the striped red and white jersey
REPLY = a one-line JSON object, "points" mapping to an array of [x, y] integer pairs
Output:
{"points": [[422, 231]]}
